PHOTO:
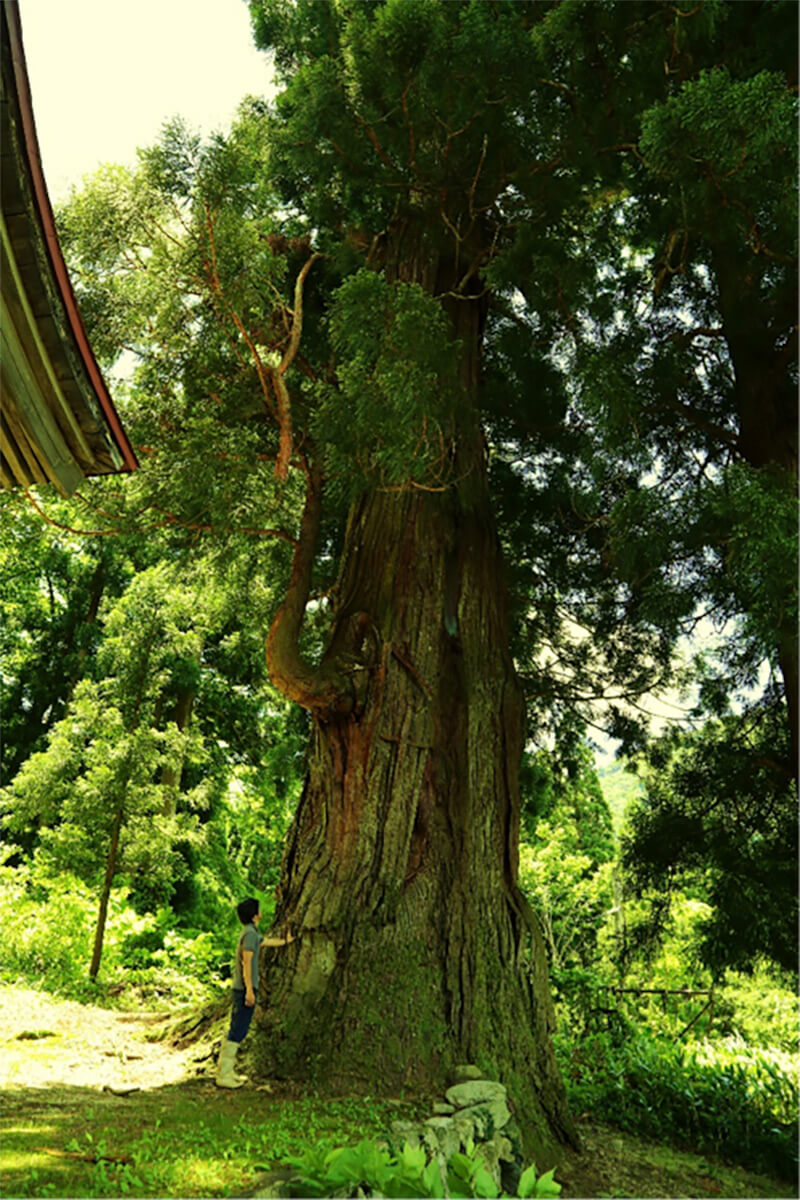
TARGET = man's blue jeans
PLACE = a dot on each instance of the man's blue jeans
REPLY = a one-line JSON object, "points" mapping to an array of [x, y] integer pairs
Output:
{"points": [[241, 1016]]}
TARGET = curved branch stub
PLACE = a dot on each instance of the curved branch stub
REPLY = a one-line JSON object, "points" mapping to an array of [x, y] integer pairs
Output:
{"points": [[324, 691], [284, 411]]}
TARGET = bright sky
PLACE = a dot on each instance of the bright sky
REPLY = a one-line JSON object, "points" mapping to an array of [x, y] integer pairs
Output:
{"points": [[106, 74]]}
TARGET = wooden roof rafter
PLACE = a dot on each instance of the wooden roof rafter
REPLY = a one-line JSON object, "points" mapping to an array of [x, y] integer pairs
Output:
{"points": [[58, 423]]}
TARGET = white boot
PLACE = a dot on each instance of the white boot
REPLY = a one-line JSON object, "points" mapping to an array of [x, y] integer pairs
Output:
{"points": [[226, 1076]]}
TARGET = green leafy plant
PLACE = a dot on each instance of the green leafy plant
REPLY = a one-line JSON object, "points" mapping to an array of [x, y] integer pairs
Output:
{"points": [[369, 1168], [543, 1185], [34, 948], [710, 1098]]}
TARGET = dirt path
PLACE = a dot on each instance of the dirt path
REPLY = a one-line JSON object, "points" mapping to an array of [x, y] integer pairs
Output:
{"points": [[47, 1042]]}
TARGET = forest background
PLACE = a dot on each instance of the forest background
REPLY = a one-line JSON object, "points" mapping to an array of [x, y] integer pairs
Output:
{"points": [[637, 404]]}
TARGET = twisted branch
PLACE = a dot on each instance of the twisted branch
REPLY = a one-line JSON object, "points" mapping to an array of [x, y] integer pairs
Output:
{"points": [[284, 411]]}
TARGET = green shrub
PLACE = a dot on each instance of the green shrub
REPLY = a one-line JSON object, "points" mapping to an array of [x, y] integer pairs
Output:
{"points": [[760, 1008], [47, 930], [48, 923], [740, 1105]]}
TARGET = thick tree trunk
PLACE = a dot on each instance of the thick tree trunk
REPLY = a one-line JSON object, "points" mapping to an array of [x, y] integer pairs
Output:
{"points": [[415, 947]]}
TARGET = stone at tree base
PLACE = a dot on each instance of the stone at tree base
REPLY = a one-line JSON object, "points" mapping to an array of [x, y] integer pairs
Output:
{"points": [[402, 1132], [486, 1125], [466, 1071], [442, 1137], [487, 1117], [503, 1147], [475, 1091], [465, 1127], [495, 1153]]}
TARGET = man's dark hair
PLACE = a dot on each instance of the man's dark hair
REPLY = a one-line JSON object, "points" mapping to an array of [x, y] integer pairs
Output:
{"points": [[248, 909]]}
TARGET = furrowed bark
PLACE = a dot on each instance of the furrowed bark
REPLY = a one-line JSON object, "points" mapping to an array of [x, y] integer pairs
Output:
{"points": [[415, 948]]}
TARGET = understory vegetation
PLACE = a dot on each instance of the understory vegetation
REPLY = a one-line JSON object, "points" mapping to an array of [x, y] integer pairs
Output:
{"points": [[641, 1043]]}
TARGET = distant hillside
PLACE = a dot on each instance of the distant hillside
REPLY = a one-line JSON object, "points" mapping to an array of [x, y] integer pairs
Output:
{"points": [[619, 788]]}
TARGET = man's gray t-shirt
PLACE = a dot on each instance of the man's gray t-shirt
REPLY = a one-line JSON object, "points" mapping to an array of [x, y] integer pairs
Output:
{"points": [[249, 939]]}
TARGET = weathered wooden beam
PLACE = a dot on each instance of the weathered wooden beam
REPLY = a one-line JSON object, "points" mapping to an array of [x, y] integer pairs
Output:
{"points": [[17, 299], [35, 417], [15, 441]]}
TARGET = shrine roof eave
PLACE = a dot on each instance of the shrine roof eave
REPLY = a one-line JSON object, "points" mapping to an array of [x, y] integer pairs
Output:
{"points": [[58, 423]]}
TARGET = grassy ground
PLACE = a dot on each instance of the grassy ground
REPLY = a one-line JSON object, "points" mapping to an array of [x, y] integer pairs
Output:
{"points": [[186, 1139], [92, 1107], [191, 1139]]}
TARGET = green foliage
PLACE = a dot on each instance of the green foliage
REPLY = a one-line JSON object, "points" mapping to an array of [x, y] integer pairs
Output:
{"points": [[190, 280], [675, 279], [174, 704], [741, 1105], [719, 132], [620, 787], [569, 893], [388, 421], [104, 758], [352, 71], [760, 1009], [370, 1169], [566, 854], [719, 815], [52, 585], [672, 962], [563, 788], [94, 765], [48, 922], [35, 948], [542, 1185]]}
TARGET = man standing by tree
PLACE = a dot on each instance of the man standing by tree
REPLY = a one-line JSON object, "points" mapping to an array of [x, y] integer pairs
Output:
{"points": [[245, 988]]}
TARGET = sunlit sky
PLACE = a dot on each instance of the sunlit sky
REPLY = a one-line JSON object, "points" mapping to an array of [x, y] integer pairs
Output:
{"points": [[106, 74]]}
